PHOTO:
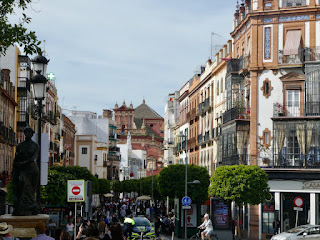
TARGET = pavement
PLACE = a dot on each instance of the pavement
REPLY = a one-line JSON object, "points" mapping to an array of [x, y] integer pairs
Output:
{"points": [[222, 235]]}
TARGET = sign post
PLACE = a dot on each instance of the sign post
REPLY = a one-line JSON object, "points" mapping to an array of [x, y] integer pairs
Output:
{"points": [[76, 194], [298, 202]]}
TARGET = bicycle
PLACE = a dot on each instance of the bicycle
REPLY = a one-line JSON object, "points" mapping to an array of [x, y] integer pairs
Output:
{"points": [[198, 235]]}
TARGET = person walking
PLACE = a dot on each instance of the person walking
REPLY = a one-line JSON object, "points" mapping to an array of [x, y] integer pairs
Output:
{"points": [[276, 226], [41, 230]]}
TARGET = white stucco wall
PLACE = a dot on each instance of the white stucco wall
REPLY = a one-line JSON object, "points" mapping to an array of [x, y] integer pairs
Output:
{"points": [[84, 159]]}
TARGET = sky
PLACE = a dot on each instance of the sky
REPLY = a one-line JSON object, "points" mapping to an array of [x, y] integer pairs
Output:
{"points": [[103, 52]]}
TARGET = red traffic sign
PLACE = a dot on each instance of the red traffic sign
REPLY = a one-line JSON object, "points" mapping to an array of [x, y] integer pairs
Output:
{"points": [[298, 202], [75, 190]]}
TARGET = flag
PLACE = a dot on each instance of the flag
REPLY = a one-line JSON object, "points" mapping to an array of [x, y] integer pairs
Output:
{"points": [[172, 99]]}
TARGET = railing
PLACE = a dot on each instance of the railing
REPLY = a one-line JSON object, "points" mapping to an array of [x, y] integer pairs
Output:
{"points": [[24, 82], [233, 65], [200, 138], [294, 161], [235, 160], [293, 3], [312, 109], [23, 116], [294, 110], [244, 62], [114, 149], [206, 136], [50, 116], [291, 59], [113, 157], [201, 109], [207, 104], [236, 113], [312, 54]]}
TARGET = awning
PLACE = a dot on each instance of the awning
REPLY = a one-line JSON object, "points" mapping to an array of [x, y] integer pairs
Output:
{"points": [[292, 44]]}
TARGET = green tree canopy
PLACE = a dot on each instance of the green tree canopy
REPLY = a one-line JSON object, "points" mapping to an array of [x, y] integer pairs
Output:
{"points": [[80, 173], [115, 185], [240, 183], [104, 186], [171, 182], [17, 33]]}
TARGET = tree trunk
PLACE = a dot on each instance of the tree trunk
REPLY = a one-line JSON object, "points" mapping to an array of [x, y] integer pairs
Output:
{"points": [[238, 225]]}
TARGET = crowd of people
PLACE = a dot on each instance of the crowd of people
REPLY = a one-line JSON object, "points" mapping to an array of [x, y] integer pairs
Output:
{"points": [[110, 221]]}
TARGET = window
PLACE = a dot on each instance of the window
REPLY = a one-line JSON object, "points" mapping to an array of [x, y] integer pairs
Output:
{"points": [[267, 43], [266, 137], [84, 150], [293, 102], [266, 88], [268, 215]]}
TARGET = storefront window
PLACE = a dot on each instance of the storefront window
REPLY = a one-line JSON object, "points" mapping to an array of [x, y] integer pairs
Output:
{"points": [[289, 213], [268, 215]]}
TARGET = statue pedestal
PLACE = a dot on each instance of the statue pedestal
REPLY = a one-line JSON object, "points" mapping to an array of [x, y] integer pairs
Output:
{"points": [[23, 226]]}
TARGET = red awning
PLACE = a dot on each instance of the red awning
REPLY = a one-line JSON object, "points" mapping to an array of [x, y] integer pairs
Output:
{"points": [[292, 44]]}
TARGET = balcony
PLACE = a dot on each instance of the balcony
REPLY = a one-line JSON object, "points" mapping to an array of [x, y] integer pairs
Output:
{"points": [[23, 119], [293, 3], [50, 117], [234, 160], [312, 54], [233, 66], [193, 113], [236, 113], [7, 135], [114, 136], [206, 138], [291, 59], [200, 139], [113, 157], [244, 62], [114, 149], [294, 110], [23, 84]]}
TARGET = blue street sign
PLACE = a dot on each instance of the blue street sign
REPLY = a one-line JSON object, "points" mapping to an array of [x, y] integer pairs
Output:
{"points": [[186, 201]]}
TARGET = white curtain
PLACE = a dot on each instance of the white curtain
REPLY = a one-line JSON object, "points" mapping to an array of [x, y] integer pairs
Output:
{"points": [[309, 136], [242, 139], [301, 137], [280, 135]]}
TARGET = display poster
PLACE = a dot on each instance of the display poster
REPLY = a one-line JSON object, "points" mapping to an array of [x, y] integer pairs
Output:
{"points": [[191, 216], [221, 214]]}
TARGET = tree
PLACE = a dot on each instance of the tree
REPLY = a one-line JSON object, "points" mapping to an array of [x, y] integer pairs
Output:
{"points": [[104, 186], [171, 182], [16, 33], [80, 173], [241, 184], [115, 185]]}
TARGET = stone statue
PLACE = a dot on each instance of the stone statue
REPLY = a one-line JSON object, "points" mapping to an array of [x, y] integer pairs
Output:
{"points": [[25, 177]]}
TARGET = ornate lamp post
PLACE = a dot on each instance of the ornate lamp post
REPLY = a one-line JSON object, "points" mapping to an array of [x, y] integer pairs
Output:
{"points": [[39, 83]]}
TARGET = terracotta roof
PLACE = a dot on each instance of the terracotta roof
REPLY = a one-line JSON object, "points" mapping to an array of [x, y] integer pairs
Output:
{"points": [[145, 112]]}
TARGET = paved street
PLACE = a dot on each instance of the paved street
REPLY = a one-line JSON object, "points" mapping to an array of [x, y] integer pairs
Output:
{"points": [[222, 235]]}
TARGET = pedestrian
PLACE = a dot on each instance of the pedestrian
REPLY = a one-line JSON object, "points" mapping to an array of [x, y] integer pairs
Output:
{"points": [[70, 228], [51, 227], [117, 232], [64, 236], [64, 222], [128, 226], [123, 214], [157, 226], [276, 226], [5, 230], [233, 228], [40, 230]]}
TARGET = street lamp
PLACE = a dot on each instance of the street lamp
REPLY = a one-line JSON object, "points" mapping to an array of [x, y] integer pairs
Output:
{"points": [[38, 83], [182, 136]]}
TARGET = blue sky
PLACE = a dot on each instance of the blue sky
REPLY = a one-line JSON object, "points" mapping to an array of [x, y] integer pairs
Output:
{"points": [[104, 51]]}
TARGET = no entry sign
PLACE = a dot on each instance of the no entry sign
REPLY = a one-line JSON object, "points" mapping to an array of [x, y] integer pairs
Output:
{"points": [[76, 191], [298, 202]]}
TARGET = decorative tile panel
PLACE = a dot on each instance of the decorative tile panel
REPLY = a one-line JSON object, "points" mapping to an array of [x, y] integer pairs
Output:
{"points": [[318, 16], [268, 5], [267, 20], [294, 18], [248, 25], [267, 43]]}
